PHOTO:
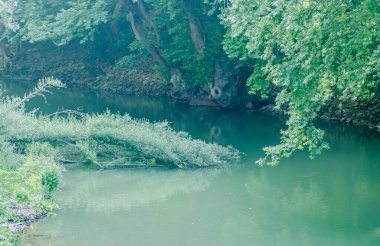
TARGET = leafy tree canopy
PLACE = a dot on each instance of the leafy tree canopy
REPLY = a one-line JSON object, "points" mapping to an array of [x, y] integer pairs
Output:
{"points": [[311, 51]]}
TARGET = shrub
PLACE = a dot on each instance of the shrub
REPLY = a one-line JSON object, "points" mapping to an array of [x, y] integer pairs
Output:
{"points": [[50, 182]]}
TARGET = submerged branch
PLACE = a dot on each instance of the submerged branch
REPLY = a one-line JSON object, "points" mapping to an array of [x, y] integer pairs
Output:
{"points": [[68, 112], [106, 139]]}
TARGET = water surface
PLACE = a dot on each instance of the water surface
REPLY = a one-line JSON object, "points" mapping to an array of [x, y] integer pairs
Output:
{"points": [[333, 200]]}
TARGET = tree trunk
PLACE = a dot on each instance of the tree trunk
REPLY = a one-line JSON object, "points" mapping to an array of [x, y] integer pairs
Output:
{"points": [[141, 34], [117, 13], [148, 19], [4, 58], [142, 26], [196, 30], [224, 89]]}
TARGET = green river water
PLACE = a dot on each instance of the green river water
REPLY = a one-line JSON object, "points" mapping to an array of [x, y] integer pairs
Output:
{"points": [[333, 200]]}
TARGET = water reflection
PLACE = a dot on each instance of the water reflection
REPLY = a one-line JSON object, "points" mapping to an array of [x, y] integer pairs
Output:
{"points": [[122, 190], [329, 201], [89, 197], [333, 200]]}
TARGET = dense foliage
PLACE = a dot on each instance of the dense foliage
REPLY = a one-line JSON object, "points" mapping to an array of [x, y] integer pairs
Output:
{"points": [[178, 34], [27, 182], [311, 51], [303, 53]]}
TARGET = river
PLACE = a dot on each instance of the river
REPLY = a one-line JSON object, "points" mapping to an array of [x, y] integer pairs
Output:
{"points": [[333, 200]]}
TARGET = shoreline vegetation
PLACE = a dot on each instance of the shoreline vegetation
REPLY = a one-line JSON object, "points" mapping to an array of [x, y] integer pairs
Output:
{"points": [[309, 59], [300, 56], [34, 148]]}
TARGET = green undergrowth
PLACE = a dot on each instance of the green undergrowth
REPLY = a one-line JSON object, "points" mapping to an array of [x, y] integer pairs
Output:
{"points": [[27, 183], [34, 147], [7, 238]]}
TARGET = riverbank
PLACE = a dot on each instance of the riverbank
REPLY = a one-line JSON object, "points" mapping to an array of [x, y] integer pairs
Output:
{"points": [[72, 65], [31, 147], [25, 195], [360, 113], [26, 214], [75, 65]]}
